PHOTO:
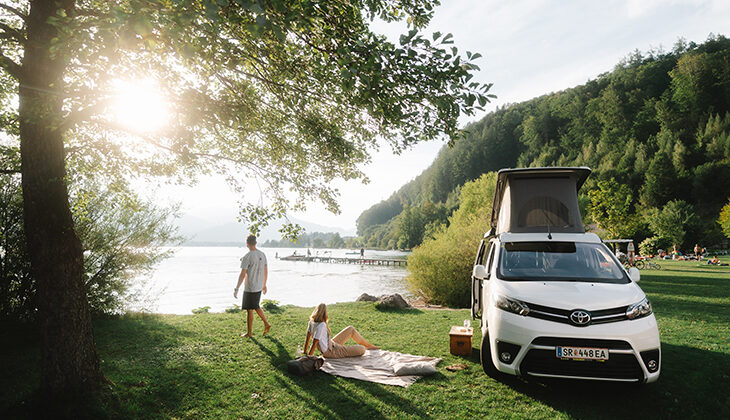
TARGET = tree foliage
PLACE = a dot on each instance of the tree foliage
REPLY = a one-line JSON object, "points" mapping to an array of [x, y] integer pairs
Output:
{"points": [[673, 222], [291, 93], [724, 219], [611, 209], [313, 240], [17, 288], [410, 228], [122, 238]]}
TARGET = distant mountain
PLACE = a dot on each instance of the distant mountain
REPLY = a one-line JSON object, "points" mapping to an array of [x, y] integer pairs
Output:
{"points": [[201, 231]]}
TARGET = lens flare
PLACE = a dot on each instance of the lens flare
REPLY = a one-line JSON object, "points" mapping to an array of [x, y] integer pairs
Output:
{"points": [[139, 106]]}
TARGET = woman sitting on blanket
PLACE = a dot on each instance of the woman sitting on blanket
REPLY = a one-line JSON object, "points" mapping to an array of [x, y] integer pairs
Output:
{"points": [[319, 330]]}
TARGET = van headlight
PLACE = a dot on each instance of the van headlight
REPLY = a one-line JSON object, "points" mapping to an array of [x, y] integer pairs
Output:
{"points": [[511, 305], [639, 310]]}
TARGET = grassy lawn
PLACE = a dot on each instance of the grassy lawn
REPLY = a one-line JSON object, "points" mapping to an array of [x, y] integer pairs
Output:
{"points": [[197, 366]]}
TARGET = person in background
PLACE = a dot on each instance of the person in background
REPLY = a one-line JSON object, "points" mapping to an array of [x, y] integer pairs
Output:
{"points": [[318, 332], [254, 272], [675, 252]]}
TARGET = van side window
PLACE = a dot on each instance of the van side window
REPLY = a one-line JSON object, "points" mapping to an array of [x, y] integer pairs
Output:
{"points": [[483, 257], [491, 256], [481, 253]]}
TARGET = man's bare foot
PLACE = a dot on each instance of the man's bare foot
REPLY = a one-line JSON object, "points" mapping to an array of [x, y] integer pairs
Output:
{"points": [[372, 347], [247, 335], [267, 328]]}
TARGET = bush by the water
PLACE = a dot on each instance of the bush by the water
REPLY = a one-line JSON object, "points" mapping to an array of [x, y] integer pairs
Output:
{"points": [[440, 269], [270, 305], [233, 309]]}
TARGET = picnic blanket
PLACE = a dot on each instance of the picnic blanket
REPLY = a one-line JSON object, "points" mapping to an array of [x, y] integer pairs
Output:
{"points": [[376, 366]]}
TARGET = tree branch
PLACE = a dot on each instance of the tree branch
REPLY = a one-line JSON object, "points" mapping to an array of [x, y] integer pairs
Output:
{"points": [[76, 117], [10, 66], [9, 171], [14, 11], [11, 33]]}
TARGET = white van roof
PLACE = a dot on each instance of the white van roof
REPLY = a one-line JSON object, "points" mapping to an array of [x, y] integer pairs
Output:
{"points": [[556, 237], [538, 200]]}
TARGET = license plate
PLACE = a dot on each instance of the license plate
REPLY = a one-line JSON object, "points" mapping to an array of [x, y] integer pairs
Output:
{"points": [[581, 353]]}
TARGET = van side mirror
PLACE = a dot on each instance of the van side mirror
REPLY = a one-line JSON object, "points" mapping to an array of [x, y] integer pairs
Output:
{"points": [[634, 274], [480, 272]]}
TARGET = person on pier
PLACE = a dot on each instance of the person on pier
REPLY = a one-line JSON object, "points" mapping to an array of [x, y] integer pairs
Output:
{"points": [[318, 332]]}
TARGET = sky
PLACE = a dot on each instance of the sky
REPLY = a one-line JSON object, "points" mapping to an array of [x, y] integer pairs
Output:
{"points": [[529, 48]]}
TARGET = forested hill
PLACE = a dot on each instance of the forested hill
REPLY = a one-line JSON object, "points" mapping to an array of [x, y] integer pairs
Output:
{"points": [[659, 124]]}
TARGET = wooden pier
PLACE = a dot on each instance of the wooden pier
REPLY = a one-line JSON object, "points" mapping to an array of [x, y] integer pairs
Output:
{"points": [[345, 260]]}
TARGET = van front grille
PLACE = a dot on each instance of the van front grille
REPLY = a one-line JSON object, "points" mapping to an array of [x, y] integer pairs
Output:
{"points": [[601, 316]]}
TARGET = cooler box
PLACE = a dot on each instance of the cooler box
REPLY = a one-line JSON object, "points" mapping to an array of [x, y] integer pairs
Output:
{"points": [[461, 340]]}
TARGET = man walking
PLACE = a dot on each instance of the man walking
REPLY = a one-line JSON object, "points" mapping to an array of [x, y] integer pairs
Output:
{"points": [[254, 272]]}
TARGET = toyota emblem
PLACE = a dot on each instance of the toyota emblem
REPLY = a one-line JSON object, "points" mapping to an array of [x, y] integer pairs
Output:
{"points": [[580, 318]]}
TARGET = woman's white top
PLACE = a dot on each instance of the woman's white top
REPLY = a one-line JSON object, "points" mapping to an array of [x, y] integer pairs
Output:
{"points": [[319, 331]]}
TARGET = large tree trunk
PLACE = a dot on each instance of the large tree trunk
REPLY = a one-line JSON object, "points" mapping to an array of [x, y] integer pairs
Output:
{"points": [[69, 360]]}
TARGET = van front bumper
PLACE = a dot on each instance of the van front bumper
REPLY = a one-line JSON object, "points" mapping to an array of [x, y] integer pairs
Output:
{"points": [[527, 346]]}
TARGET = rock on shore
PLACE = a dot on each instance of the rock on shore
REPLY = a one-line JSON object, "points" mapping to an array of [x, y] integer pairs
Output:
{"points": [[394, 301]]}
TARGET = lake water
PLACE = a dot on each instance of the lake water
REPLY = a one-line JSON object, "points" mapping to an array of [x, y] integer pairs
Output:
{"points": [[205, 276]]}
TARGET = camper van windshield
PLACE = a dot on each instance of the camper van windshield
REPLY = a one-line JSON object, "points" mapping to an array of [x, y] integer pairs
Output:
{"points": [[559, 261]]}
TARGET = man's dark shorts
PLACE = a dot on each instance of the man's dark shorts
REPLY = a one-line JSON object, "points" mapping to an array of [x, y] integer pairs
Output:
{"points": [[251, 300]]}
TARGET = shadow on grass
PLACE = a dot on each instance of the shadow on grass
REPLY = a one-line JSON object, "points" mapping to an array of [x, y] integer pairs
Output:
{"points": [[139, 355], [331, 398], [693, 384], [149, 362]]}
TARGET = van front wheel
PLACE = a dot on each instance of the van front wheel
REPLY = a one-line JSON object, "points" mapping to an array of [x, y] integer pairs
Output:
{"points": [[485, 357]]}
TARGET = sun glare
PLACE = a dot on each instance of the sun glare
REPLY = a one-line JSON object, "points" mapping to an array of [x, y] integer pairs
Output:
{"points": [[139, 106]]}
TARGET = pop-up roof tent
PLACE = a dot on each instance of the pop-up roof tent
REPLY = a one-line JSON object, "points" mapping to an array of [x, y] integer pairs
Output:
{"points": [[538, 200]]}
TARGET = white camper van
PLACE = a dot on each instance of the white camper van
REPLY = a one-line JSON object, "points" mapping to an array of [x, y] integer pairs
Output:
{"points": [[553, 300]]}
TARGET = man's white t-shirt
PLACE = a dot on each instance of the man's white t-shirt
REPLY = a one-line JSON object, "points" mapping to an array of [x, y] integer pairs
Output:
{"points": [[254, 262], [319, 331]]}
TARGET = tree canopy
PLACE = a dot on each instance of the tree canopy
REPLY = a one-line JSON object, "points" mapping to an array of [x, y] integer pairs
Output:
{"points": [[291, 93]]}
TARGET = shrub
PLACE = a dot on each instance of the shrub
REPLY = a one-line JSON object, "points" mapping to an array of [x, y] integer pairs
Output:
{"points": [[233, 309], [270, 305], [440, 269], [203, 310], [649, 246]]}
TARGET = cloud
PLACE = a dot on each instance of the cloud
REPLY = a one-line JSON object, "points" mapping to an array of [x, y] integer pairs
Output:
{"points": [[640, 8]]}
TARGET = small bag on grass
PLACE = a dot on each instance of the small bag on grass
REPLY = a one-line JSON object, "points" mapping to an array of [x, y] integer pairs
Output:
{"points": [[304, 366]]}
